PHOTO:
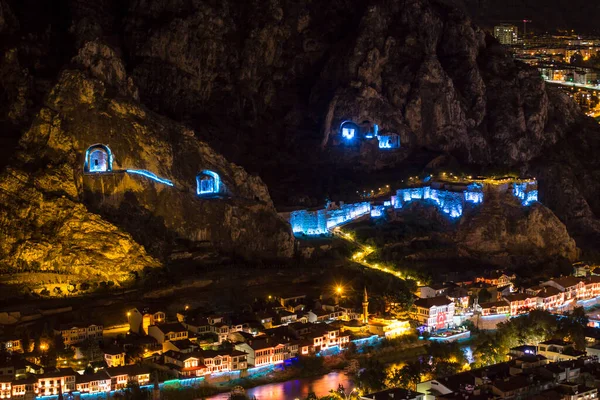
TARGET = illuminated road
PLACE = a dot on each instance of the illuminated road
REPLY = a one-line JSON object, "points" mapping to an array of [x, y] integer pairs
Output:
{"points": [[573, 84], [360, 256]]}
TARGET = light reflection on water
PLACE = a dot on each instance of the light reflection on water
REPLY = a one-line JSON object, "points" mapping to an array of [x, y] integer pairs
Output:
{"points": [[297, 388]]}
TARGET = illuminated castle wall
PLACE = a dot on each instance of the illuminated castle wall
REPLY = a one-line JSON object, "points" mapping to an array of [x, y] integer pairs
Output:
{"points": [[449, 203], [452, 203], [527, 192], [319, 222]]}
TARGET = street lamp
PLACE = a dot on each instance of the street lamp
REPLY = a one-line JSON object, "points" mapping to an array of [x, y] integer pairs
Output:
{"points": [[338, 292]]}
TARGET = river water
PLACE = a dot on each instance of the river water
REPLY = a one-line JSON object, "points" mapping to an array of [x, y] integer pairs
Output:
{"points": [[296, 389], [321, 385]]}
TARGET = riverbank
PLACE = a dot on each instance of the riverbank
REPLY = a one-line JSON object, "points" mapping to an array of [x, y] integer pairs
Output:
{"points": [[285, 379]]}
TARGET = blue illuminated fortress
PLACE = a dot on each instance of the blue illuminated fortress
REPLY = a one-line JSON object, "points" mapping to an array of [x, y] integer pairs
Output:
{"points": [[449, 199]]}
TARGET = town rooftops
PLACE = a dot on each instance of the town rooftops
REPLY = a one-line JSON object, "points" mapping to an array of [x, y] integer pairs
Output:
{"points": [[490, 304], [113, 350], [565, 281], [183, 344], [149, 310], [31, 379], [19, 363], [518, 297], [461, 396], [555, 368], [525, 349], [531, 358], [182, 356], [513, 383], [395, 394], [437, 286], [437, 301], [60, 372], [221, 353], [571, 351], [593, 333], [171, 327], [556, 342], [263, 343], [98, 376], [75, 325], [320, 312], [548, 291], [457, 381], [130, 370]]}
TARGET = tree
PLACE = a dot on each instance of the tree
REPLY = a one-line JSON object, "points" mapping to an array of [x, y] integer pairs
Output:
{"points": [[90, 350], [134, 392], [134, 354], [310, 365], [573, 326], [484, 296], [372, 377], [576, 59]]}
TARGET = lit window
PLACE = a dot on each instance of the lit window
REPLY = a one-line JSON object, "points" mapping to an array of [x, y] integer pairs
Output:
{"points": [[348, 133], [349, 130], [98, 159], [207, 182]]}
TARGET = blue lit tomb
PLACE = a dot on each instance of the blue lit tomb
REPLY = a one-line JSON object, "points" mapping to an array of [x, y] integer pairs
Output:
{"points": [[98, 158], [349, 130], [391, 141], [207, 182]]}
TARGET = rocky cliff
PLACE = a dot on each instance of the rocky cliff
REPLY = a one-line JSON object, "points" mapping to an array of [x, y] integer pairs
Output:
{"points": [[266, 84], [59, 217], [503, 232], [419, 68]]}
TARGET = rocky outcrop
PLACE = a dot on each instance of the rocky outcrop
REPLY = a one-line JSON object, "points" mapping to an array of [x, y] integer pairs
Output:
{"points": [[267, 84], [504, 232], [500, 231], [46, 230], [56, 217]]}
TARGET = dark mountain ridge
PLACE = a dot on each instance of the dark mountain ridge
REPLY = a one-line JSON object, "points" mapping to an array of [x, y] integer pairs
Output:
{"points": [[267, 84]]}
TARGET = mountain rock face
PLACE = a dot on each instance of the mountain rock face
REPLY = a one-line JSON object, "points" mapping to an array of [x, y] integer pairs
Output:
{"points": [[267, 84], [503, 232], [417, 68], [59, 217], [499, 231]]}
